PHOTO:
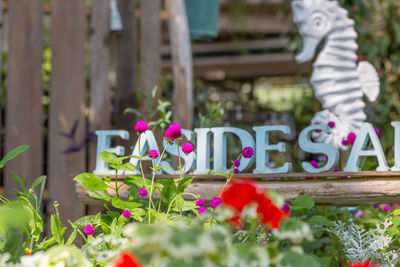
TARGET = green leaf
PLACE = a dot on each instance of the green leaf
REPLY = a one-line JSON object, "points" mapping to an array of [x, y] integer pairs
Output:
{"points": [[301, 203], [133, 111], [72, 237], [108, 157], [12, 154], [185, 182], [120, 204], [154, 92], [18, 180], [320, 220], [169, 190], [124, 167], [56, 229], [38, 181], [91, 181], [137, 180], [291, 258], [219, 174], [102, 195]]}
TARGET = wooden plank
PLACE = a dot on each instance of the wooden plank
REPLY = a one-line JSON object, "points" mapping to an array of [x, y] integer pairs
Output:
{"points": [[150, 51], [24, 106], [126, 59], [346, 192], [215, 68], [100, 94], [182, 66], [67, 157]]}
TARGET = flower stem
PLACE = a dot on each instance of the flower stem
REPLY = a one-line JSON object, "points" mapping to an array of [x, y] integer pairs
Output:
{"points": [[140, 162], [179, 159], [116, 183], [170, 204]]}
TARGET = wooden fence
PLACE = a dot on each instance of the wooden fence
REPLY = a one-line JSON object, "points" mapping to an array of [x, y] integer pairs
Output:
{"points": [[85, 57]]}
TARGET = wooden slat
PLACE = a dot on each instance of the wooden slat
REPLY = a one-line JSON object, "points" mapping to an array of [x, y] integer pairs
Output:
{"points": [[150, 51], [100, 94], [24, 106], [67, 105], [126, 59], [214, 68], [182, 66], [346, 192]]}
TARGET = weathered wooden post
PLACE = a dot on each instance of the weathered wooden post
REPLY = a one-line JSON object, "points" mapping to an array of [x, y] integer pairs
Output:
{"points": [[24, 94]]}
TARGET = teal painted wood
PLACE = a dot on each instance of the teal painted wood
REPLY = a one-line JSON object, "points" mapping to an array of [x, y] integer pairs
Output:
{"points": [[203, 18]]}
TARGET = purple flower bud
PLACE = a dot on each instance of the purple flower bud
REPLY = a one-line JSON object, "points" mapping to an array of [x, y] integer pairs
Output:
{"points": [[247, 152], [358, 213], [314, 163], [377, 206], [351, 138], [187, 148], [143, 192], [345, 142], [236, 170], [286, 207], [236, 163], [126, 213], [88, 230], [378, 133], [215, 202], [200, 202], [331, 124], [141, 126], [202, 210]]}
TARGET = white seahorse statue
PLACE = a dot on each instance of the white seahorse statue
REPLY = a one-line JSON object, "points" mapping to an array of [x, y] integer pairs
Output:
{"points": [[338, 82]]}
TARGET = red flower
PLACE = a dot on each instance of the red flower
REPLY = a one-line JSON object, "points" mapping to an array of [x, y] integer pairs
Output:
{"points": [[362, 264], [238, 195], [127, 260]]}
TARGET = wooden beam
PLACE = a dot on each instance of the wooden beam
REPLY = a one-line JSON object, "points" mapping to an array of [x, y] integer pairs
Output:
{"points": [[100, 94], [126, 59], [67, 156], [346, 192], [24, 92], [182, 66], [150, 51]]}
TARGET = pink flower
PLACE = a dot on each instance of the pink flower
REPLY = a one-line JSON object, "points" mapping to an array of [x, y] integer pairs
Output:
{"points": [[187, 148], [351, 138], [126, 213], [377, 131], [335, 170], [153, 154], [314, 163], [236, 170], [215, 202], [143, 192], [236, 163], [200, 202], [345, 142], [386, 208], [173, 131], [88, 230], [202, 210], [377, 206], [358, 213], [141, 126], [331, 124], [247, 152]]}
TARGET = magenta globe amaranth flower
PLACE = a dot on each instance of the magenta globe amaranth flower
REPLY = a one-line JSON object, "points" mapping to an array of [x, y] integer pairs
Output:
{"points": [[378, 133], [202, 210], [200, 202], [236, 163], [187, 148], [314, 163], [247, 152], [331, 124], [143, 192], [386, 208], [236, 170], [153, 154], [351, 138], [126, 213], [173, 132], [141, 126], [377, 206], [215, 202], [88, 230]]}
